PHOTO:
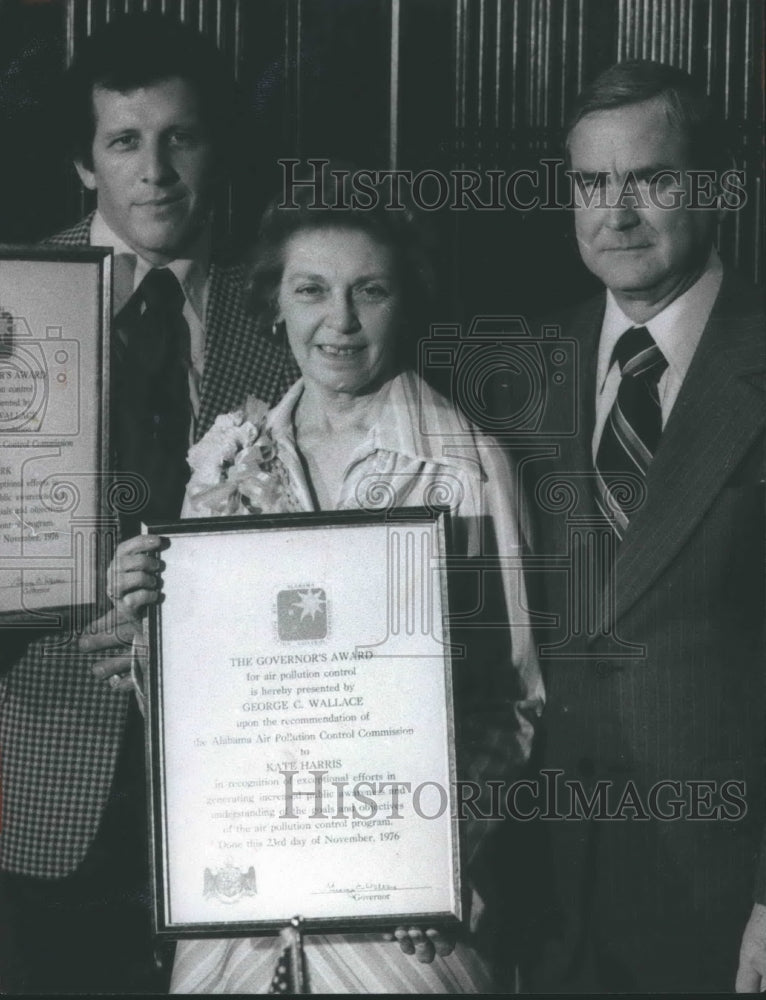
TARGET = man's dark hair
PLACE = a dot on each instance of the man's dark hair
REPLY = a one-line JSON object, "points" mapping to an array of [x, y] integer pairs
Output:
{"points": [[400, 230], [139, 50], [687, 106]]}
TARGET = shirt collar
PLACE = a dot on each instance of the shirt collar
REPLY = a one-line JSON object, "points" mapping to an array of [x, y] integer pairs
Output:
{"points": [[412, 420], [283, 427], [130, 268], [676, 330], [280, 418]]}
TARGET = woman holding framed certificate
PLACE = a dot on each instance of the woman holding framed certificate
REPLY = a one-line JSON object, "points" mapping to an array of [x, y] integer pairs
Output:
{"points": [[361, 430]]}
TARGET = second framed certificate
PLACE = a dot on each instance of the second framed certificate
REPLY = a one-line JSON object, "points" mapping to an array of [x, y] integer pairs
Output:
{"points": [[301, 740], [56, 498]]}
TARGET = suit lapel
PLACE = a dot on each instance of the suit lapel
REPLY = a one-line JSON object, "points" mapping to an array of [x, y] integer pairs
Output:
{"points": [[239, 359], [588, 338], [717, 417], [216, 373], [77, 236], [575, 460]]}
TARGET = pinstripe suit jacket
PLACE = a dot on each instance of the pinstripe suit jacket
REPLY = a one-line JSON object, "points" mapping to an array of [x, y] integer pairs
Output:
{"points": [[60, 729], [670, 688]]}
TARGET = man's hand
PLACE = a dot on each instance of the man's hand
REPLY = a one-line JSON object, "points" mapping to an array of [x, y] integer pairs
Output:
{"points": [[134, 574], [133, 583], [751, 974], [113, 633]]}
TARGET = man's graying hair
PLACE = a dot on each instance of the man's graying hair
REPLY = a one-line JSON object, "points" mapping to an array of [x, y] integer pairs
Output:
{"points": [[687, 105]]}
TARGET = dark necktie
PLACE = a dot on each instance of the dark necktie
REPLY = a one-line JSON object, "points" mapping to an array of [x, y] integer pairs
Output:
{"points": [[632, 430], [152, 412]]}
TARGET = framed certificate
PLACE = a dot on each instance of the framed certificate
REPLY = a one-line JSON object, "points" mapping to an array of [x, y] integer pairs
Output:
{"points": [[55, 309], [301, 742]]}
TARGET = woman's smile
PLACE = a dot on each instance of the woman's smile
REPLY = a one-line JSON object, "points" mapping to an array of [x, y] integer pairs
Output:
{"points": [[341, 303]]}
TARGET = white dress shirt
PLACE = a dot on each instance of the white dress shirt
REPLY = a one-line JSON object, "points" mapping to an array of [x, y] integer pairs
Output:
{"points": [[193, 274], [676, 330]]}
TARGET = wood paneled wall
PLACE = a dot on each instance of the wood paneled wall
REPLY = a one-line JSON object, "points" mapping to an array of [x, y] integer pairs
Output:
{"points": [[419, 84]]}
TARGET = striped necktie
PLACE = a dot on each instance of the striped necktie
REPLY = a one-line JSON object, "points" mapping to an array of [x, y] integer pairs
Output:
{"points": [[632, 430]]}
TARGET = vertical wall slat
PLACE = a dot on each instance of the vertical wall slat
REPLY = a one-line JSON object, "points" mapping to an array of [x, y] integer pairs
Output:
{"points": [[674, 21], [238, 39], [727, 61], [646, 36], [548, 64], [564, 61], [746, 64], [393, 126], [690, 38], [530, 89], [498, 60], [219, 28], [542, 64], [460, 17], [621, 31], [69, 40], [293, 68], [658, 36], [480, 65], [515, 66]]}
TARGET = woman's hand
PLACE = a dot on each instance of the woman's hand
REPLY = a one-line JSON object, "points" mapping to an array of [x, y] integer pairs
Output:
{"points": [[424, 945], [133, 584]]}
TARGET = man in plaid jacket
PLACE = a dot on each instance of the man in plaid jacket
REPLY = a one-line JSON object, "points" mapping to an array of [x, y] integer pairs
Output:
{"points": [[149, 105]]}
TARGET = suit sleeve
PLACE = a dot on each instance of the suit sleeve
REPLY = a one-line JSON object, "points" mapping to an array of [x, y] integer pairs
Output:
{"points": [[13, 645]]}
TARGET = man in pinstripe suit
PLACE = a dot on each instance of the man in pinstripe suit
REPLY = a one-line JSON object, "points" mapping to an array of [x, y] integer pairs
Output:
{"points": [[149, 104], [653, 734]]}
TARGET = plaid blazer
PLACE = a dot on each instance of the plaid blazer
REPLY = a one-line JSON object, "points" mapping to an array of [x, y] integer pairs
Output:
{"points": [[60, 729]]}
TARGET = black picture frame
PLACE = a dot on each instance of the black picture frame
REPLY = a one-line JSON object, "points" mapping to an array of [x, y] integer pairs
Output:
{"points": [[181, 781], [55, 491]]}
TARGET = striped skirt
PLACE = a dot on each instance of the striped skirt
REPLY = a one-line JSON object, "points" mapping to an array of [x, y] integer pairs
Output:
{"points": [[338, 963]]}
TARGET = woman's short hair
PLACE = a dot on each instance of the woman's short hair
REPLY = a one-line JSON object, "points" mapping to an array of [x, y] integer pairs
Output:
{"points": [[401, 230]]}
